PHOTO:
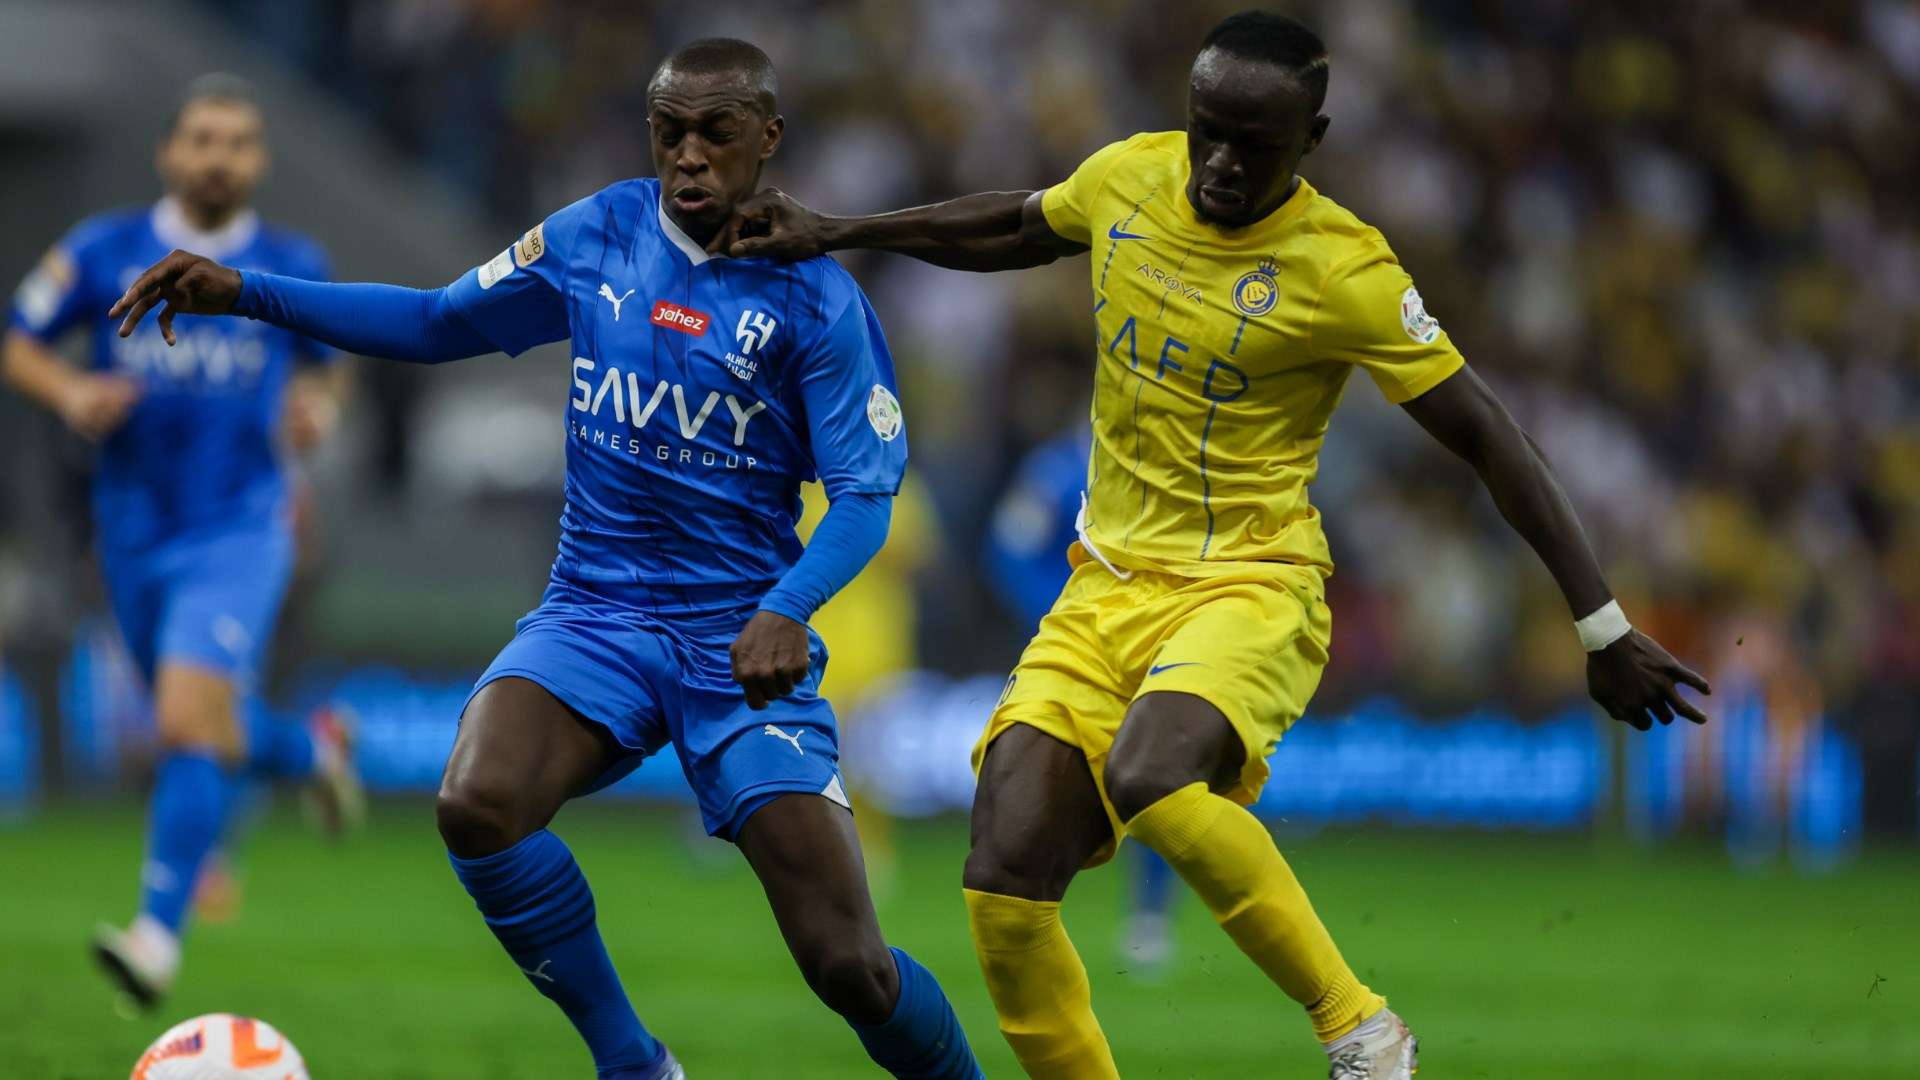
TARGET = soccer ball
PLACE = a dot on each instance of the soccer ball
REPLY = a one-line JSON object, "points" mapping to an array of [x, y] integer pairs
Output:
{"points": [[221, 1046]]}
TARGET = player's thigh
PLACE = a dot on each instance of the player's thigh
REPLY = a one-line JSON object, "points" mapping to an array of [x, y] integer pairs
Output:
{"points": [[519, 754], [1236, 668], [806, 853], [222, 597], [1169, 740], [1037, 817], [736, 758], [194, 708]]}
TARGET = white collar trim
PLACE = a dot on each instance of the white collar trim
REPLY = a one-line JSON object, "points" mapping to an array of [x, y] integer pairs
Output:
{"points": [[170, 224], [695, 254]]}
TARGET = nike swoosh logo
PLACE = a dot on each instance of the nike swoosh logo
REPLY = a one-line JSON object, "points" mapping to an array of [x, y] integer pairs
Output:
{"points": [[1114, 233], [1158, 668]]}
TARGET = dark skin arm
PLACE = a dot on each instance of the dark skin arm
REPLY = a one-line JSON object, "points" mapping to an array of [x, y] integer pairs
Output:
{"points": [[1634, 679], [997, 230]]}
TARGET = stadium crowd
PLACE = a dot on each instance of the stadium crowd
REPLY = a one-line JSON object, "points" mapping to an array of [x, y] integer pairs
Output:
{"points": [[1679, 237]]}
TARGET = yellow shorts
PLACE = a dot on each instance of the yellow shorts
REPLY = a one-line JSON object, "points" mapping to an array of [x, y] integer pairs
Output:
{"points": [[1251, 641]]}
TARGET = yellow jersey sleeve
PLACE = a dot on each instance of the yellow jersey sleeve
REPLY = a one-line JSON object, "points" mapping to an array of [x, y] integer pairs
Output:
{"points": [[1068, 205], [1370, 315]]}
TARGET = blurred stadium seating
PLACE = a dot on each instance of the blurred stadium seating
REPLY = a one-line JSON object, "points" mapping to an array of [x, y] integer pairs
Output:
{"points": [[1680, 239]]}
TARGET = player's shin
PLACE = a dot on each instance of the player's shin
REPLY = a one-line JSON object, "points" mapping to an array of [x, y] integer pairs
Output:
{"points": [[1229, 859], [1039, 988], [536, 901], [922, 1040], [276, 748], [192, 796]]}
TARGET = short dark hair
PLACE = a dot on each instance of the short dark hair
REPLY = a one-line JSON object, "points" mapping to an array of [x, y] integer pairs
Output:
{"points": [[213, 86], [724, 56], [1278, 40]]}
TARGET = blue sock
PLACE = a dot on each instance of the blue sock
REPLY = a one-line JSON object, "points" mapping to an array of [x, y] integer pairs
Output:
{"points": [[1155, 881], [191, 797], [922, 1040], [537, 903], [277, 748]]}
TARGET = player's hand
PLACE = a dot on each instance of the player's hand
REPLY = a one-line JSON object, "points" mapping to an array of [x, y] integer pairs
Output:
{"points": [[770, 224], [1638, 682], [94, 406], [311, 414], [770, 657], [187, 284]]}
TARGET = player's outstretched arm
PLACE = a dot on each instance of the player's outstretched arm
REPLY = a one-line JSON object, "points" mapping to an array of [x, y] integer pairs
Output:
{"points": [[91, 403], [1628, 673], [998, 230], [391, 321]]}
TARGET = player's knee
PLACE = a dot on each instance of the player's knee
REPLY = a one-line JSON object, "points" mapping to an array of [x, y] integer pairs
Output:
{"points": [[477, 817], [856, 980], [1134, 783], [1028, 870], [187, 717], [178, 731]]}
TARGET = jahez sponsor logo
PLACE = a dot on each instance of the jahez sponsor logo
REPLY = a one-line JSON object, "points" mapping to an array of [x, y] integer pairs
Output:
{"points": [[685, 320]]}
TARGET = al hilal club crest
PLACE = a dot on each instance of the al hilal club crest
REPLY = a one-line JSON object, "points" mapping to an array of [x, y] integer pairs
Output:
{"points": [[883, 412], [1257, 290]]}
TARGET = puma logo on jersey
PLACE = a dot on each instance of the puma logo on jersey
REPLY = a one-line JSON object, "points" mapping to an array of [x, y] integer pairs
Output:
{"points": [[606, 293], [685, 320], [778, 734], [539, 972]]}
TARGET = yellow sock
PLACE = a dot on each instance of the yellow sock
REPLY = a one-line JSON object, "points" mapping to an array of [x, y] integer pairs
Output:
{"points": [[1039, 987], [1228, 857]]}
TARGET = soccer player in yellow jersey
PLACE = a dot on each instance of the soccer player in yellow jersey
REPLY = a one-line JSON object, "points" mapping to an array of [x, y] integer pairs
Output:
{"points": [[1231, 303]]}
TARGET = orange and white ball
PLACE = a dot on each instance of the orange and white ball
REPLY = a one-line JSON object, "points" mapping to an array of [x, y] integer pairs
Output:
{"points": [[221, 1046]]}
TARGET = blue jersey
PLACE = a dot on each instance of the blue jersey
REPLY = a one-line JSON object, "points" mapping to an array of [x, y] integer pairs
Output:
{"points": [[704, 390], [198, 454]]}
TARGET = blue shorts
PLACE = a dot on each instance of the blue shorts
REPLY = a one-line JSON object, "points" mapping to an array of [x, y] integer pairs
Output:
{"points": [[653, 680], [210, 601]]}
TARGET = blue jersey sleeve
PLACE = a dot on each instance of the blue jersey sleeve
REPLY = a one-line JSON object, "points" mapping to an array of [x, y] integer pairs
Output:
{"points": [[309, 262], [518, 298], [847, 387], [59, 294], [852, 533]]}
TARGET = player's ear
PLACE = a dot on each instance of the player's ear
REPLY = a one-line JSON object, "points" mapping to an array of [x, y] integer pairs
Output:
{"points": [[1316, 130], [770, 137]]}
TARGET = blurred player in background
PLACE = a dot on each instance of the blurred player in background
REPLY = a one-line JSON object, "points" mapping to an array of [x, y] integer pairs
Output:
{"points": [[1033, 529], [191, 498], [1231, 303], [870, 628], [704, 391]]}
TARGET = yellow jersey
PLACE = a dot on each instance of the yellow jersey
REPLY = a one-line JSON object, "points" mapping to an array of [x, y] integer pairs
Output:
{"points": [[1220, 355]]}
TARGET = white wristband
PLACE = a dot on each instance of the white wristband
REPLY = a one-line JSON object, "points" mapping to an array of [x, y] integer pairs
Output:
{"points": [[1603, 627]]}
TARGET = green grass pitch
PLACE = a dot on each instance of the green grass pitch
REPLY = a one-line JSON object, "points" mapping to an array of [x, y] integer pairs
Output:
{"points": [[1514, 957]]}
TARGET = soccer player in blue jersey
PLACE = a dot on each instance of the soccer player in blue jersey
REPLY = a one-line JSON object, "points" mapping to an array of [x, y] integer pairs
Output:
{"points": [[190, 499], [704, 390]]}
